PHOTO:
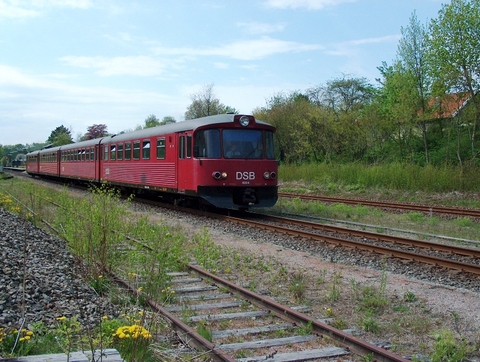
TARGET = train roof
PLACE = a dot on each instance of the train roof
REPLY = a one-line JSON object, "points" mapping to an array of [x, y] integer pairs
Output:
{"points": [[183, 126]]}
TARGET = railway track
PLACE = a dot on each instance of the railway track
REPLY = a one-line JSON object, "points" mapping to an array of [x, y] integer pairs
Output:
{"points": [[451, 257], [391, 205], [245, 326]]}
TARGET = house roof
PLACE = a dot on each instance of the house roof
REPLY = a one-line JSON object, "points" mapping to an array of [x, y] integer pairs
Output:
{"points": [[449, 105]]}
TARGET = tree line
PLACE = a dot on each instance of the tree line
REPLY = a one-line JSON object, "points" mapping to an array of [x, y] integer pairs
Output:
{"points": [[424, 109]]}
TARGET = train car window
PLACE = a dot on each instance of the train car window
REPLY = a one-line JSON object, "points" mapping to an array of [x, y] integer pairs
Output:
{"points": [[207, 144], [269, 143], [120, 151], [161, 148], [243, 144], [146, 150], [105, 153], [128, 150], [92, 154], [136, 150], [181, 147], [189, 146], [83, 155], [113, 152]]}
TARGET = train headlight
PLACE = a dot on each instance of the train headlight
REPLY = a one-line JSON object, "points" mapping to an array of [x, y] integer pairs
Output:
{"points": [[217, 175], [244, 121], [267, 175]]}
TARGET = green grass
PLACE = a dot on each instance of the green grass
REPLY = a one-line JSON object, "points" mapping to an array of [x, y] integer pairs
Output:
{"points": [[396, 176]]}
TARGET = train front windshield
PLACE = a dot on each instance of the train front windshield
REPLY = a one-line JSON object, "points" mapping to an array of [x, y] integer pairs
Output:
{"points": [[247, 144], [234, 143]]}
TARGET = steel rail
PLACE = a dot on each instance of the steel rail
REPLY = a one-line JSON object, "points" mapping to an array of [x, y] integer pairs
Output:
{"points": [[475, 253], [186, 333], [407, 255], [355, 345], [402, 206]]}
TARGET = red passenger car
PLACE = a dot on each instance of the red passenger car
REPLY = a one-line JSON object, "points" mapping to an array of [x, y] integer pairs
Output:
{"points": [[225, 160]]}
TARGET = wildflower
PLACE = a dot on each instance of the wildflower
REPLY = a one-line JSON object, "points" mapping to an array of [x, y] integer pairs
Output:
{"points": [[100, 276], [62, 319], [105, 317], [139, 289]]}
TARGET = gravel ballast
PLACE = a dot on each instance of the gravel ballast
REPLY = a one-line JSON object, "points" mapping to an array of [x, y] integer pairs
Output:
{"points": [[39, 280]]}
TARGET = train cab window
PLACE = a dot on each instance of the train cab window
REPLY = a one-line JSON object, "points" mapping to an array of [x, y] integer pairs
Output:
{"points": [[128, 150], [161, 148], [207, 144], [105, 153], [120, 151], [146, 150], [189, 146], [269, 143], [136, 150], [181, 147], [113, 152], [246, 144]]}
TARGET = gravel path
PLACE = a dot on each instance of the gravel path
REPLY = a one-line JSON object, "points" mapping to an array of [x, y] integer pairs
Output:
{"points": [[39, 280]]}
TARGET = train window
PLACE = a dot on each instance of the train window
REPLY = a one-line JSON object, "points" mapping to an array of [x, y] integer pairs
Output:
{"points": [[128, 150], [113, 151], [87, 154], [181, 147], [136, 150], [92, 154], [242, 143], [83, 155], [146, 150], [105, 153], [120, 151], [189, 146], [161, 148], [269, 143], [207, 144]]}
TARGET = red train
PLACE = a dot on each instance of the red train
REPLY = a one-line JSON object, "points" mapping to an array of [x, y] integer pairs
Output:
{"points": [[225, 160]]}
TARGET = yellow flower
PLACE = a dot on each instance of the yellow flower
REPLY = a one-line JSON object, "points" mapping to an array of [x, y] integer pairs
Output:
{"points": [[105, 317], [62, 319], [29, 333]]}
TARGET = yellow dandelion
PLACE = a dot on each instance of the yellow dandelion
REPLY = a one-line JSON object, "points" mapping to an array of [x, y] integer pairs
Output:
{"points": [[29, 333], [62, 319], [105, 317]]}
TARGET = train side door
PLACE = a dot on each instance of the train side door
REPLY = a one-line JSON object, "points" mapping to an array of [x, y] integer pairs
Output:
{"points": [[184, 169]]}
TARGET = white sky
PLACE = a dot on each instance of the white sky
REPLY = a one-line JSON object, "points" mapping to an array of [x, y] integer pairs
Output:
{"points": [[82, 62]]}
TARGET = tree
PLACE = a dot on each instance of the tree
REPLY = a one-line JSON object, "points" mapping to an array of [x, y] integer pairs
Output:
{"points": [[168, 120], [60, 136], [397, 103], [412, 53], [205, 104], [454, 45], [95, 131], [151, 121]]}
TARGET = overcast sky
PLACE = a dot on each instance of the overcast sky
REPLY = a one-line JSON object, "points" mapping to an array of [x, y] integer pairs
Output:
{"points": [[82, 62]]}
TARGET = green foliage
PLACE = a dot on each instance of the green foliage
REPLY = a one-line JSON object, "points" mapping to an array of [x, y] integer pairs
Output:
{"points": [[60, 136], [396, 176], [449, 348], [298, 285]]}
